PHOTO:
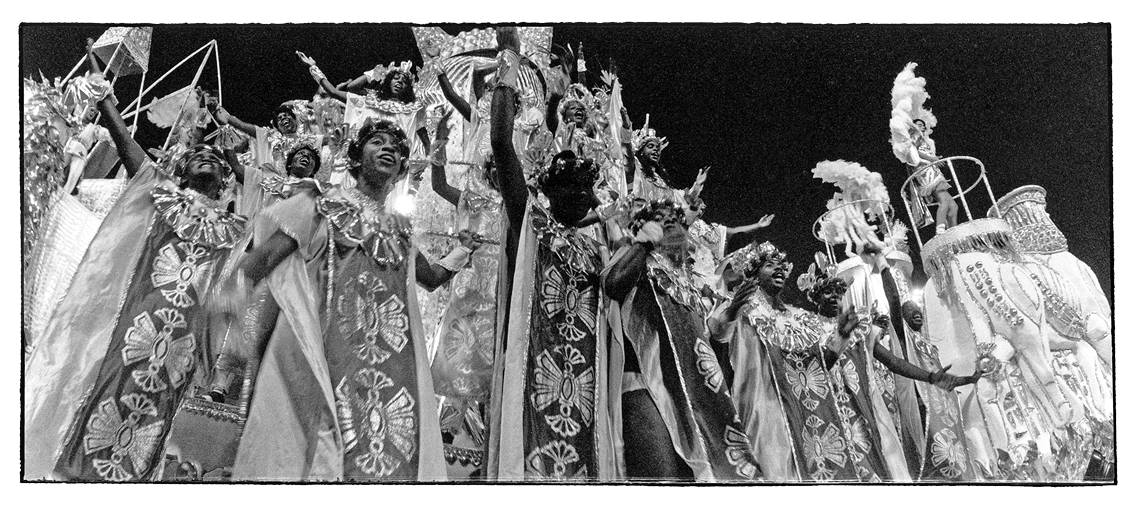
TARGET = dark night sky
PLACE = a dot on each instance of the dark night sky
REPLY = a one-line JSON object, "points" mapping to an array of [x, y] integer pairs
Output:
{"points": [[761, 103]]}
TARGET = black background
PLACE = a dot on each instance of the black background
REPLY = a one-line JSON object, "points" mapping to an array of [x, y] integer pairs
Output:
{"points": [[761, 103]]}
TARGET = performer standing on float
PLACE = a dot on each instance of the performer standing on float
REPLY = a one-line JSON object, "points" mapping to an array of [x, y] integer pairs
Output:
{"points": [[677, 419], [550, 406], [272, 145], [131, 334], [911, 124], [389, 94], [350, 399]]}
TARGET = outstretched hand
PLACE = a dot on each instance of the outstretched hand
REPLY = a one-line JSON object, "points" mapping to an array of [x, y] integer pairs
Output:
{"points": [[765, 220], [90, 44], [946, 381], [307, 60], [699, 182]]}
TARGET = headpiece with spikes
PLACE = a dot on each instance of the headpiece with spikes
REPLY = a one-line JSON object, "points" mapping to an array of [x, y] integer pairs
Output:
{"points": [[749, 259], [640, 137], [820, 274], [381, 71], [575, 94], [199, 151]]}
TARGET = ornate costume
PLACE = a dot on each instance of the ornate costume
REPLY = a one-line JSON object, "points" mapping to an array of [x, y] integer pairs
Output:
{"points": [[344, 391], [551, 415], [100, 373]]}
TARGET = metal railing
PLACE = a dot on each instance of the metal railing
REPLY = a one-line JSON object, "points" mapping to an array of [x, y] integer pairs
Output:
{"points": [[885, 210], [960, 195]]}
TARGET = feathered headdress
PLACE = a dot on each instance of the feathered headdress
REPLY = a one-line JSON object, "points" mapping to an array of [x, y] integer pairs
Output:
{"points": [[908, 97], [644, 134]]}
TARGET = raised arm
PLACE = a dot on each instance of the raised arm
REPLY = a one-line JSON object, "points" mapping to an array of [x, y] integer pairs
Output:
{"points": [[224, 117], [456, 101], [438, 159], [512, 183], [320, 78], [130, 152], [627, 147], [745, 229], [235, 165]]}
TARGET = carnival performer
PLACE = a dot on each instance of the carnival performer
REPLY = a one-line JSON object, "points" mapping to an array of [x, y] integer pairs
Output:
{"points": [[272, 145], [131, 334], [677, 418], [801, 427], [350, 399], [855, 372], [709, 240], [80, 144], [650, 180], [911, 124], [389, 94], [249, 334], [550, 406], [946, 457], [472, 317], [264, 185]]}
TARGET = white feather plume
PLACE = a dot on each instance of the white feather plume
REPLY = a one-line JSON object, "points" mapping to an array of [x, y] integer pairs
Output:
{"points": [[908, 100]]}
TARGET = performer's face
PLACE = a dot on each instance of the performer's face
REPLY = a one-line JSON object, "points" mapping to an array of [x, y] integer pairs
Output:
{"points": [[576, 113], [381, 158], [204, 173], [398, 84], [303, 163], [651, 150], [286, 123], [90, 114], [913, 316], [829, 298], [772, 276], [676, 235]]}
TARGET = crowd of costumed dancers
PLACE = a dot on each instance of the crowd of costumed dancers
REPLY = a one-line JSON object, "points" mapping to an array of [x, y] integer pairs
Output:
{"points": [[482, 269]]}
